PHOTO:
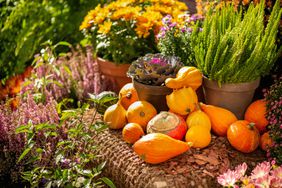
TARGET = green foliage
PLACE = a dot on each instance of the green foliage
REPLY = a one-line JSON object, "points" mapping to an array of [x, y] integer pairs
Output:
{"points": [[26, 24], [103, 100], [236, 48], [154, 69], [64, 154]]}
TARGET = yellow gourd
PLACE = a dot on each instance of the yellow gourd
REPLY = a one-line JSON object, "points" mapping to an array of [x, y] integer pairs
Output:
{"points": [[186, 77], [155, 148], [199, 136], [199, 118], [115, 116], [182, 101]]}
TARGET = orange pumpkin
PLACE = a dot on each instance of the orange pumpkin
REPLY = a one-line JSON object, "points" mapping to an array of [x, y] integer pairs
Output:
{"points": [[115, 116], [141, 112], [220, 118], [132, 132], [182, 101], [199, 136], [243, 136], [256, 113], [128, 95], [168, 123], [265, 141], [155, 148]]}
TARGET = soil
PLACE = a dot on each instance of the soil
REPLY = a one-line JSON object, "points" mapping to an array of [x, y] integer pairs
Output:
{"points": [[195, 168]]}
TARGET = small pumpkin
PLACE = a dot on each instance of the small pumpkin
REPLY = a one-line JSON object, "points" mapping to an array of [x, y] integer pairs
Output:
{"points": [[141, 112], [128, 95], [115, 116], [220, 118], [182, 101], [187, 76], [169, 124], [265, 141], [198, 118], [199, 136], [243, 136], [155, 148], [256, 113], [132, 132]]}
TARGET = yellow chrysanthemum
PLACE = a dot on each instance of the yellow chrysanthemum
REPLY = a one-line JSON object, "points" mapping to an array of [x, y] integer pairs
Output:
{"points": [[105, 27], [126, 13]]}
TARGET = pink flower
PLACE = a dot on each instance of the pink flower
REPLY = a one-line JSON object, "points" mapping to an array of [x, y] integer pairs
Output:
{"points": [[241, 170], [228, 179], [263, 182], [261, 170]]}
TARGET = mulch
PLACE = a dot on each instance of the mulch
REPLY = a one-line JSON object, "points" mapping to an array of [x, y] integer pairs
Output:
{"points": [[195, 168]]}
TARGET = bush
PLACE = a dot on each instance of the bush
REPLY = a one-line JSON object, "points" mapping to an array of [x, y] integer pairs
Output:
{"points": [[26, 24]]}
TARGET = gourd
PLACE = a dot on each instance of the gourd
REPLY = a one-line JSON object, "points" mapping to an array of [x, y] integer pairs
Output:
{"points": [[220, 118], [198, 118], [115, 116], [182, 101], [265, 141], [169, 124], [141, 112], [256, 113], [186, 77], [132, 132], [243, 136], [155, 148], [199, 136], [128, 95]]}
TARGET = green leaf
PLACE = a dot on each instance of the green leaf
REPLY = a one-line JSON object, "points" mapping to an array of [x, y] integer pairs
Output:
{"points": [[22, 129], [26, 151], [62, 43], [108, 182]]}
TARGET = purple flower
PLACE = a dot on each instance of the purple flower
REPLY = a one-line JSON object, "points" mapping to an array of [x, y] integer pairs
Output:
{"points": [[167, 19], [172, 25]]}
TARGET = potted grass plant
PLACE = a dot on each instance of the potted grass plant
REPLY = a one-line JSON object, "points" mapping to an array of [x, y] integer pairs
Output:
{"points": [[148, 75], [233, 51], [123, 30]]}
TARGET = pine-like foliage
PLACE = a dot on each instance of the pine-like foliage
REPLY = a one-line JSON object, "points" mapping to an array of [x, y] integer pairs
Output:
{"points": [[236, 47]]}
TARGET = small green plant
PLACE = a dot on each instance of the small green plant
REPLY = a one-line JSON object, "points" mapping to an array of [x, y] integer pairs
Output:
{"points": [[235, 47], [64, 154], [153, 69]]}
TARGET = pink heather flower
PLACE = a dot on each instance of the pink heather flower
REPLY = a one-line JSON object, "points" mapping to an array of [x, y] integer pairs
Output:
{"points": [[277, 172], [261, 170], [241, 170], [228, 179]]}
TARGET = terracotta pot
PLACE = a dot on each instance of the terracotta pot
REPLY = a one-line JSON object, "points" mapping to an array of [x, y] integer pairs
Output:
{"points": [[116, 73], [156, 95], [234, 97]]}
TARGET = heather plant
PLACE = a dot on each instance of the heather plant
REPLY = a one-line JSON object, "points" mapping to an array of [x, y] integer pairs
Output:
{"points": [[235, 47], [69, 75], [274, 116], [64, 154], [265, 174], [153, 69], [174, 38]]}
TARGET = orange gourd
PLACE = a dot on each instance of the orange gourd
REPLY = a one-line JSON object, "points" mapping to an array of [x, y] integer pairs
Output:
{"points": [[155, 148], [115, 116], [243, 136], [186, 77], [199, 118], [199, 136], [132, 132], [128, 95], [168, 123], [182, 101], [220, 118], [256, 113], [141, 112], [265, 141]]}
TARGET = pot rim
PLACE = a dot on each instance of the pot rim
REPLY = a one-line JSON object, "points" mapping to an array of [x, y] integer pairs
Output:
{"points": [[110, 63], [151, 87], [231, 87]]}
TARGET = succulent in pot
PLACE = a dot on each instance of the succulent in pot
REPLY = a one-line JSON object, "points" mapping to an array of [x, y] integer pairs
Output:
{"points": [[149, 74]]}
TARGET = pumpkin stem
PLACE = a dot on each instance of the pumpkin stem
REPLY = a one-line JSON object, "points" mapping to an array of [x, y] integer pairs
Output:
{"points": [[198, 106], [251, 125], [129, 95], [190, 144]]}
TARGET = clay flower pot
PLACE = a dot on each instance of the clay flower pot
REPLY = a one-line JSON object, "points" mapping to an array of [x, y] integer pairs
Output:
{"points": [[234, 97], [116, 73], [156, 95]]}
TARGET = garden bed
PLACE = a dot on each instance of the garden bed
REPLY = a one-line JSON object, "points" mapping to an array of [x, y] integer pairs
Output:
{"points": [[195, 168]]}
